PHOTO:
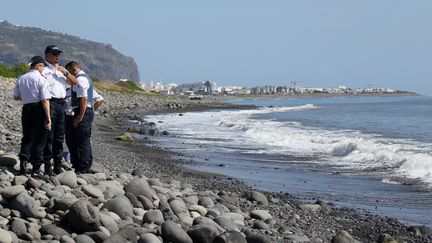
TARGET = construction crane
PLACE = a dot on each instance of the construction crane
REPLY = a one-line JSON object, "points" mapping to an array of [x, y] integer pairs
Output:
{"points": [[294, 84]]}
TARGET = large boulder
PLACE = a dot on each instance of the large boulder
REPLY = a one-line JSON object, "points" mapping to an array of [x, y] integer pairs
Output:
{"points": [[171, 232], [257, 197], [126, 234], [230, 237], [261, 214], [226, 223], [344, 237], [93, 192], [5, 236], [54, 230], [154, 216], [149, 238], [83, 239], [27, 205], [12, 191], [204, 233], [83, 217], [109, 223], [138, 187], [68, 178], [121, 206], [9, 160]]}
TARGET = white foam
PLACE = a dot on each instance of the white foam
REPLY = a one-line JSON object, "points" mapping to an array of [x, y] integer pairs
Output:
{"points": [[346, 149]]}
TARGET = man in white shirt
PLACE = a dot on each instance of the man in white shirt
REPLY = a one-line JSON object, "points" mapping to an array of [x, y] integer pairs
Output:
{"points": [[32, 89], [78, 126], [58, 80], [98, 100]]}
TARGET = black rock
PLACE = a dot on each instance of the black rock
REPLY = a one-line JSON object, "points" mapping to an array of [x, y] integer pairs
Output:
{"points": [[83, 217]]}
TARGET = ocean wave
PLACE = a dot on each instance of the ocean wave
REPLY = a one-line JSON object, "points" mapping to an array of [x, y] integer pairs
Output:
{"points": [[346, 149]]}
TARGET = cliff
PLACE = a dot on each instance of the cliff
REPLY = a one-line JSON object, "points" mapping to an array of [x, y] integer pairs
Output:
{"points": [[18, 44]]}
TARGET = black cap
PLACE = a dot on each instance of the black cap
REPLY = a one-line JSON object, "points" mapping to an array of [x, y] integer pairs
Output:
{"points": [[53, 49], [36, 60]]}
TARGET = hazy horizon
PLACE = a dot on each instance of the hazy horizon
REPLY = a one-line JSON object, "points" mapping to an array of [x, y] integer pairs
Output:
{"points": [[252, 43]]}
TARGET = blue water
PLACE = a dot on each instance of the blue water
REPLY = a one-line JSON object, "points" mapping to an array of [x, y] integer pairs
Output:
{"points": [[373, 153], [391, 117]]}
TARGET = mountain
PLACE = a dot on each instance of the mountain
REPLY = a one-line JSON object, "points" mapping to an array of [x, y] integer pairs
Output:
{"points": [[18, 44]]}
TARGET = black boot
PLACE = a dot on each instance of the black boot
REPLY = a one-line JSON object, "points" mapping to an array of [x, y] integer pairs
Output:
{"points": [[23, 164], [48, 168], [57, 167], [36, 170]]}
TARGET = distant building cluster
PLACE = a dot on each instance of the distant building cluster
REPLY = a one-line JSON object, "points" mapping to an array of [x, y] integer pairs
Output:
{"points": [[210, 88]]}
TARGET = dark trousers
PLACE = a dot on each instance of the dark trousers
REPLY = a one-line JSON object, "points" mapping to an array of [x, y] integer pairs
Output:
{"points": [[54, 145], [34, 137], [78, 141]]}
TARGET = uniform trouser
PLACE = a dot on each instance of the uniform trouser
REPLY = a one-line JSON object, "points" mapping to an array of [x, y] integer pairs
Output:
{"points": [[78, 141], [34, 133], [54, 145]]}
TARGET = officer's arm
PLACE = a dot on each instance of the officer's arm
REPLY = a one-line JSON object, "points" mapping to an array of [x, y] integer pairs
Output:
{"points": [[83, 107], [46, 107], [71, 78], [97, 104]]}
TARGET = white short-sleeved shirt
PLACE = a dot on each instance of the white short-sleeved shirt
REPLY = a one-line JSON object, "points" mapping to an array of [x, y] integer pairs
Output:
{"points": [[57, 82], [82, 86], [97, 96], [32, 87]]}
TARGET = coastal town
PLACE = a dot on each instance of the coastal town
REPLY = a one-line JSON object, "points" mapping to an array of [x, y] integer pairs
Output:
{"points": [[211, 88]]}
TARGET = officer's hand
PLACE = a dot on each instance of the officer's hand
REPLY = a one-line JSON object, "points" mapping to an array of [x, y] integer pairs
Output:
{"points": [[48, 125], [77, 120], [61, 69]]}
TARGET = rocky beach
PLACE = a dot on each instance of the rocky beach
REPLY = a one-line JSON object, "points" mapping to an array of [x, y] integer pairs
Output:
{"points": [[139, 192]]}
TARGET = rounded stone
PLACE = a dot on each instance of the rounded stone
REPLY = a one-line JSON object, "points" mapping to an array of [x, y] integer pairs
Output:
{"points": [[226, 224], [53, 230], [230, 237], [126, 234], [257, 197], [178, 207], [261, 215], [119, 205], [206, 202], [109, 223], [27, 205], [174, 233], [154, 216], [9, 160], [5, 236], [68, 178], [138, 187], [83, 239], [12, 191], [204, 233], [93, 192], [149, 238], [83, 217]]}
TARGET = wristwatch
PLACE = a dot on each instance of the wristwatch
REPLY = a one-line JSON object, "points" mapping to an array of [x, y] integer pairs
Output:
{"points": [[66, 73]]}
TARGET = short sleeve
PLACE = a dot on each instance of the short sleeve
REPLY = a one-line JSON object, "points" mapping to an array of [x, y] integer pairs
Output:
{"points": [[44, 91], [82, 86], [16, 92], [97, 96]]}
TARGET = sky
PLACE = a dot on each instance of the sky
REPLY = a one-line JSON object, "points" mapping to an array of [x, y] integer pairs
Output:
{"points": [[384, 43]]}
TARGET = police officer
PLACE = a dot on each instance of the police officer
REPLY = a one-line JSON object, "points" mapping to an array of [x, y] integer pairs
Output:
{"points": [[78, 126], [32, 89], [58, 80], [98, 100]]}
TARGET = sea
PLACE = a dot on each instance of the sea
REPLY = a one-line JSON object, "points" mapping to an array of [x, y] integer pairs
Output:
{"points": [[368, 153]]}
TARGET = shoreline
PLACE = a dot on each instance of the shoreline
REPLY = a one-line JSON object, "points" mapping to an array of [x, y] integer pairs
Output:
{"points": [[359, 218], [292, 221]]}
